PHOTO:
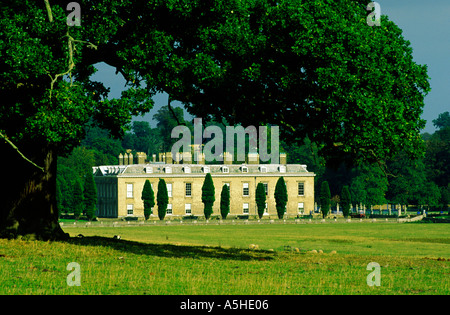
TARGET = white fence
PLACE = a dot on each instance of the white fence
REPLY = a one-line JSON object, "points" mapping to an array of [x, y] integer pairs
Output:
{"points": [[120, 223]]}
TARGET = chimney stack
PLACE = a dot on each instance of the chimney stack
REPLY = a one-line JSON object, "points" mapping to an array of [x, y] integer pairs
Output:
{"points": [[187, 157], [178, 158], [141, 157], [130, 158], [227, 158], [169, 159], [253, 158], [120, 159], [283, 158], [200, 157]]}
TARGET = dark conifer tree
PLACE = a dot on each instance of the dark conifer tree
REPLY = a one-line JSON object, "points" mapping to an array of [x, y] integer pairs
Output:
{"points": [[281, 197], [260, 198], [162, 198], [208, 195], [148, 197], [324, 198], [225, 201]]}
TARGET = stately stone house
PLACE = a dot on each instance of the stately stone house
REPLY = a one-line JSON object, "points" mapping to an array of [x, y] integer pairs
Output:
{"points": [[119, 187]]}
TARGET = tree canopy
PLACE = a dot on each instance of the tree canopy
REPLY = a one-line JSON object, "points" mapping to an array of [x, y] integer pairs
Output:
{"points": [[313, 67], [90, 195], [304, 63], [346, 201], [324, 198]]}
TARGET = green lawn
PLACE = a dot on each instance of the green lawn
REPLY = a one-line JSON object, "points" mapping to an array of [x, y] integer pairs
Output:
{"points": [[214, 259]]}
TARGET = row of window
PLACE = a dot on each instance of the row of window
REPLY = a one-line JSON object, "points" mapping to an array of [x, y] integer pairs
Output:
{"points": [[188, 209], [206, 169], [245, 189]]}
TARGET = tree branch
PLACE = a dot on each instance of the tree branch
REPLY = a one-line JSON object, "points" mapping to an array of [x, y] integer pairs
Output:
{"points": [[71, 47], [382, 165], [18, 151], [173, 113], [49, 11]]}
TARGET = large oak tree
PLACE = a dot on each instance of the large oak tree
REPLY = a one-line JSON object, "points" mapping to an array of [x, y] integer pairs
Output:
{"points": [[313, 67]]}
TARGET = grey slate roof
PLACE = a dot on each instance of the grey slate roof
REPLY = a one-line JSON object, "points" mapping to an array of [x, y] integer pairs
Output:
{"points": [[234, 169]]}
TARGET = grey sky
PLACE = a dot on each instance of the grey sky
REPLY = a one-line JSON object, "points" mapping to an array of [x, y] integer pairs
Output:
{"points": [[425, 23]]}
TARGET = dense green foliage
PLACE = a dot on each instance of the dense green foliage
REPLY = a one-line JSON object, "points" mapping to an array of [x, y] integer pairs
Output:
{"points": [[78, 206], [306, 63], [260, 198], [90, 195], [437, 157], [162, 198], [208, 195], [324, 198], [224, 201], [281, 197], [345, 201], [148, 197]]}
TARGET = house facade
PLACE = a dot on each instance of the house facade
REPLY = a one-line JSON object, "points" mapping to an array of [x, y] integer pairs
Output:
{"points": [[119, 187]]}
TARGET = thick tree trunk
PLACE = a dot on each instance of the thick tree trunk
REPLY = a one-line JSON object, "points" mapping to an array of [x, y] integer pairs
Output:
{"points": [[28, 195]]}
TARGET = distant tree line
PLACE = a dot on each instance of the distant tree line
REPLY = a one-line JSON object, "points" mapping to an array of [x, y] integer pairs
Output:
{"points": [[77, 195], [421, 182], [99, 148]]}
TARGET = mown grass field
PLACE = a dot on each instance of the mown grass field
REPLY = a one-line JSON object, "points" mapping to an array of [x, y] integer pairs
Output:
{"points": [[215, 259]]}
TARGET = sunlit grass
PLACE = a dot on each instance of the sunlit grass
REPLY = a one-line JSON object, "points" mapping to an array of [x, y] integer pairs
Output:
{"points": [[414, 259]]}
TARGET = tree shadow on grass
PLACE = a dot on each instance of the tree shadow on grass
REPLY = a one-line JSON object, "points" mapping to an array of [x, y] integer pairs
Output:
{"points": [[174, 251]]}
